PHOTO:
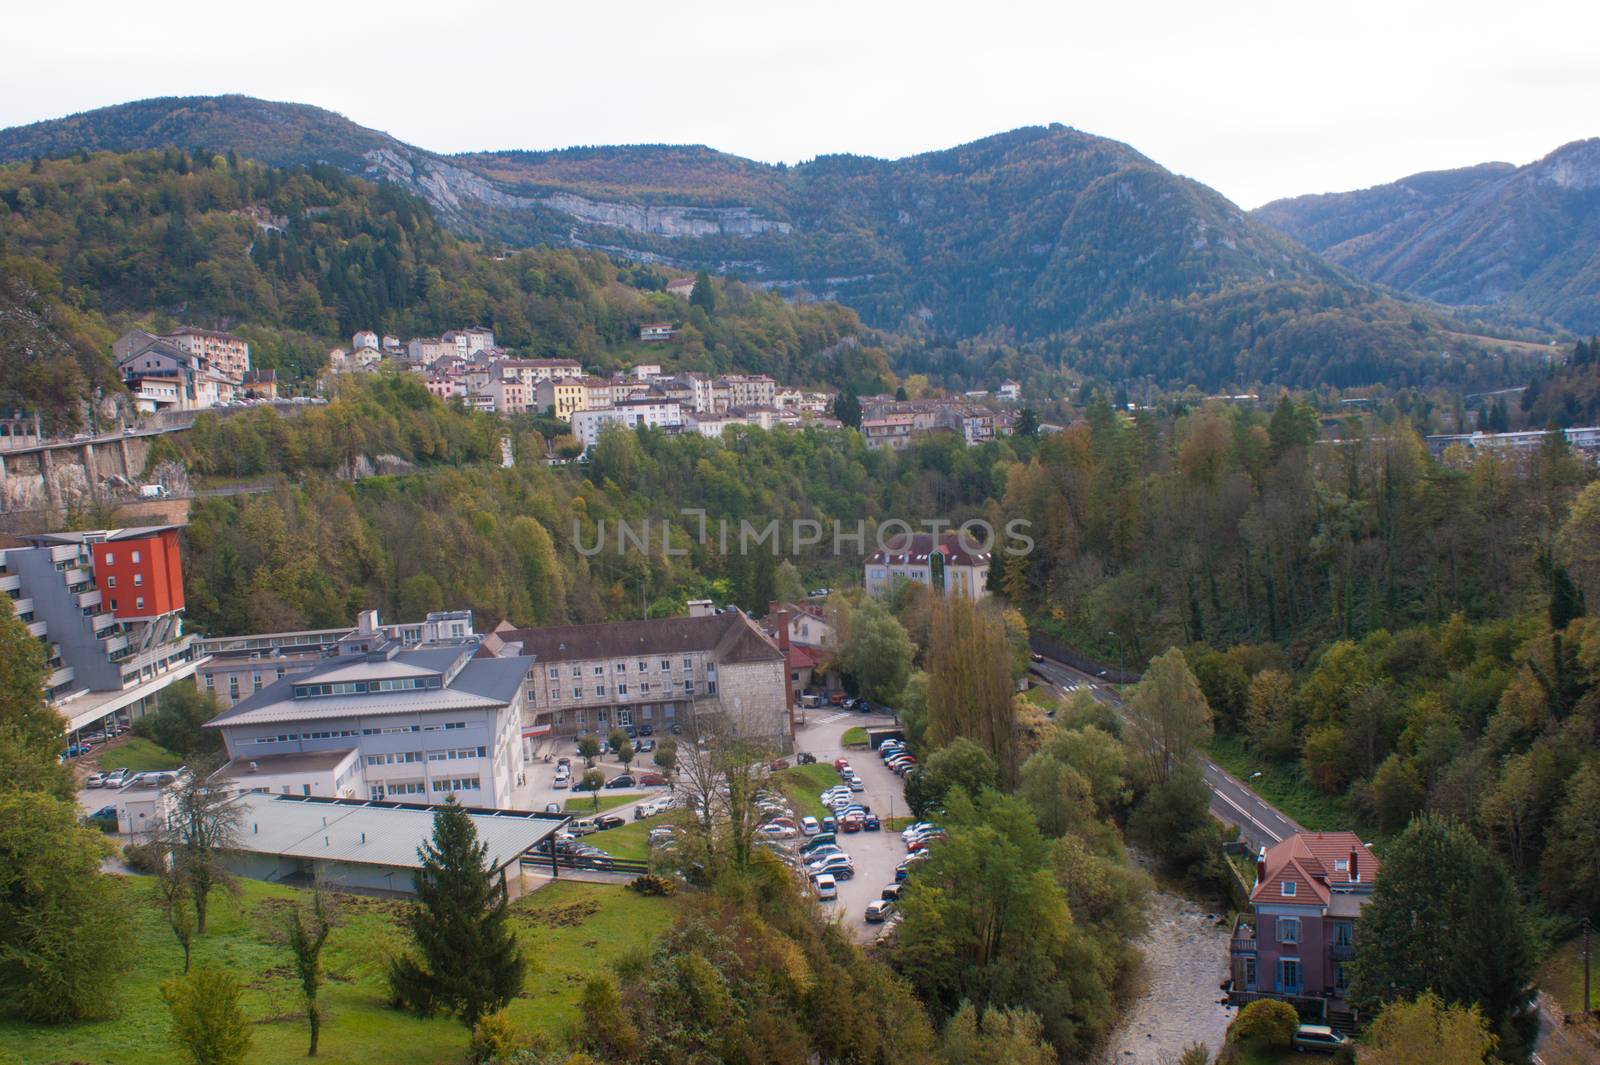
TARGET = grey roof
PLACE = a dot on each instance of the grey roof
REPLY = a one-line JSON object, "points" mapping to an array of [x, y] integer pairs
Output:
{"points": [[372, 833], [139, 532], [729, 637], [302, 762], [481, 684]]}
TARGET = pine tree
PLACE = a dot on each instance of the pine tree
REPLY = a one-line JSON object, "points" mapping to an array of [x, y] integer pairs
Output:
{"points": [[702, 295], [467, 962]]}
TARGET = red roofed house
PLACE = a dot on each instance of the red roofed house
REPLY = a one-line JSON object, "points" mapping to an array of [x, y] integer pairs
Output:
{"points": [[955, 564], [1308, 893]]}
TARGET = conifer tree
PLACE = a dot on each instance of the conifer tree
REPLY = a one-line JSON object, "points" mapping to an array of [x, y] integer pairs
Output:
{"points": [[467, 960]]}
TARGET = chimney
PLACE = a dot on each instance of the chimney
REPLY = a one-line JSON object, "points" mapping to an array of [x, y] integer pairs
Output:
{"points": [[1355, 867], [1261, 869]]}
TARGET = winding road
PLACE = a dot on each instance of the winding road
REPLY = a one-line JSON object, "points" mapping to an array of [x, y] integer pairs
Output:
{"points": [[1232, 802]]}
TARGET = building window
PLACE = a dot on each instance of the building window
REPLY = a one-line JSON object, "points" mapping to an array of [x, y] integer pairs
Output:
{"points": [[1289, 975], [138, 580], [1288, 930], [138, 603], [622, 667], [711, 687], [1288, 888], [577, 693], [643, 666], [644, 688], [666, 665], [1344, 934], [555, 672], [580, 717], [599, 671], [599, 690], [111, 581], [622, 689], [688, 663], [624, 716], [111, 559], [135, 558]]}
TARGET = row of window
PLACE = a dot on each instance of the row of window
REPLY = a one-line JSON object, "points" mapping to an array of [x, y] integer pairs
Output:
{"points": [[111, 581], [458, 784], [664, 665], [644, 689], [391, 730], [111, 558], [362, 687]]}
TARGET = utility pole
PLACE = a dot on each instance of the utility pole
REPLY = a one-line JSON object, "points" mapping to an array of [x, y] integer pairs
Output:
{"points": [[1586, 999]]}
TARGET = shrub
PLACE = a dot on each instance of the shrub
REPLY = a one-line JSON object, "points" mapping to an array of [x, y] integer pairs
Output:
{"points": [[144, 858], [496, 1038], [1266, 1021], [650, 884]]}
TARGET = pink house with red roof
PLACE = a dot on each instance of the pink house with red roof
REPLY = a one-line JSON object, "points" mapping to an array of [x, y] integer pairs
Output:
{"points": [[1300, 936]]}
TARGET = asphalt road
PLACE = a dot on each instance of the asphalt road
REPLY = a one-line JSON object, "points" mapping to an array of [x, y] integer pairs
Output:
{"points": [[1232, 801]]}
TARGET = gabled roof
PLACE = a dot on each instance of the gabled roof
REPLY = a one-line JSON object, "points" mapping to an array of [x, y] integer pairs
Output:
{"points": [[1317, 864], [914, 549], [731, 637]]}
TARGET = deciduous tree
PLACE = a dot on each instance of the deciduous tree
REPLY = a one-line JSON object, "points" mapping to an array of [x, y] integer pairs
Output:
{"points": [[1427, 1032], [1168, 716], [208, 1021]]}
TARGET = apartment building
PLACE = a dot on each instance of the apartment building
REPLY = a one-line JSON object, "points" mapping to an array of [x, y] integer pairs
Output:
{"points": [[974, 424], [470, 341], [425, 351], [236, 667], [666, 673], [892, 432], [587, 425], [229, 355], [163, 376], [948, 565], [656, 332], [413, 725], [749, 390], [364, 339], [561, 396], [502, 395], [107, 605]]}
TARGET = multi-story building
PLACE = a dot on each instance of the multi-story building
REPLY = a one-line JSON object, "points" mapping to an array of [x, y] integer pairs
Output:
{"points": [[668, 673], [749, 390], [470, 341], [975, 424], [1300, 934], [951, 565], [236, 667], [425, 351], [597, 392], [561, 396], [892, 432], [162, 375], [364, 339], [413, 725], [260, 384], [656, 332], [1010, 391], [107, 605], [502, 395], [682, 287], [229, 355], [587, 425]]}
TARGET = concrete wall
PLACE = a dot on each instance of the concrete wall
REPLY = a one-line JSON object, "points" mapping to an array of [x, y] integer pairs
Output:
{"points": [[754, 696]]}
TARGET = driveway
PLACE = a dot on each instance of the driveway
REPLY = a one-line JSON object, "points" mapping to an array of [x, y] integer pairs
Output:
{"points": [[875, 853]]}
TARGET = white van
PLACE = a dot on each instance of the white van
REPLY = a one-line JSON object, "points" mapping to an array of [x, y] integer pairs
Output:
{"points": [[153, 491]]}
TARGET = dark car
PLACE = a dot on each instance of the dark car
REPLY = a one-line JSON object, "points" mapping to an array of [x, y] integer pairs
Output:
{"points": [[583, 785], [1037, 657], [647, 730], [621, 781], [805, 759], [871, 824], [645, 746], [605, 821]]}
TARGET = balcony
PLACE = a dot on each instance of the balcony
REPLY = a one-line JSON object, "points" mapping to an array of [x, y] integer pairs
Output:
{"points": [[1342, 951], [61, 676], [10, 582], [38, 628], [1244, 936], [89, 599], [102, 622], [20, 607], [77, 575], [112, 644]]}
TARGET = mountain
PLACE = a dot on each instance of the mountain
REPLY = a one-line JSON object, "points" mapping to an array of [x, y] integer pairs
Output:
{"points": [[1523, 240], [1076, 242]]}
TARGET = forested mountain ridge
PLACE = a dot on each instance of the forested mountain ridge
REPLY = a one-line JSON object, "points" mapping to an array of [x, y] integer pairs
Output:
{"points": [[296, 259], [1037, 232], [1524, 240]]}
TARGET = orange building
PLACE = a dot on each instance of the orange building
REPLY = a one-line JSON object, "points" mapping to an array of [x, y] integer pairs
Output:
{"points": [[140, 573]]}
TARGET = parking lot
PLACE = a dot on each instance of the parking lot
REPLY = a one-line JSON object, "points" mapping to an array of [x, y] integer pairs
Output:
{"points": [[875, 853]]}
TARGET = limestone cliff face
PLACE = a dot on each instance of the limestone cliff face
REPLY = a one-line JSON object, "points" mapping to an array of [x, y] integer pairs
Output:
{"points": [[453, 190]]}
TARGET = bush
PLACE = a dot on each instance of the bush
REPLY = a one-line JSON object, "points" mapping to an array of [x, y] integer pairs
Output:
{"points": [[1267, 1022], [496, 1039], [650, 884], [146, 858]]}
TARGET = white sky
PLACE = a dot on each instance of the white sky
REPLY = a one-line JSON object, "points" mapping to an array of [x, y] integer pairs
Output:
{"points": [[1258, 99]]}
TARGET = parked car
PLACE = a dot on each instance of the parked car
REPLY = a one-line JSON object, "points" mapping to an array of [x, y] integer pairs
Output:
{"points": [[647, 730], [817, 842], [840, 865], [827, 887], [852, 822], [1317, 1037], [820, 853], [564, 763], [913, 828], [836, 699], [116, 778], [622, 780], [805, 759], [605, 821], [892, 892], [841, 764], [773, 830], [582, 827], [857, 784], [878, 910], [871, 823], [645, 746], [829, 825], [652, 780], [96, 780], [552, 808], [579, 785]]}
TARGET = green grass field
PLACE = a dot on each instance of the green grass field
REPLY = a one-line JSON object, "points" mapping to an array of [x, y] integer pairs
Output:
{"points": [[630, 841], [583, 805], [1561, 977], [569, 931], [1286, 787], [801, 784], [854, 736], [138, 755]]}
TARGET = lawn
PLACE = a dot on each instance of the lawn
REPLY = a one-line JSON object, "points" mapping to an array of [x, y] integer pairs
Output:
{"points": [[569, 931], [1285, 787], [584, 804], [855, 736], [630, 841], [138, 755], [801, 784]]}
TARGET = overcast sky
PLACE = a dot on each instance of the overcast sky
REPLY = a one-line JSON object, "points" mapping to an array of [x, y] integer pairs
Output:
{"points": [[1258, 99]]}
